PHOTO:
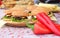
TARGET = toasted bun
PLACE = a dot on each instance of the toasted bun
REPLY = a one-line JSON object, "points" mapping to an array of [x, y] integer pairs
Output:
{"points": [[19, 13], [31, 7], [10, 23], [39, 10]]}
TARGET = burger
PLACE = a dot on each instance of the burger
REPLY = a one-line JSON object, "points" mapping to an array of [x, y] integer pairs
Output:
{"points": [[24, 16], [15, 17]]}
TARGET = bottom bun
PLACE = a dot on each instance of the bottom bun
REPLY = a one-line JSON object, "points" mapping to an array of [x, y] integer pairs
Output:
{"points": [[11, 23], [15, 24]]}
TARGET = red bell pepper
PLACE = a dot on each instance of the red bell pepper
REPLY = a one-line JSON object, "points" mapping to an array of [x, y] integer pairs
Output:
{"points": [[42, 29], [56, 31], [44, 19]]}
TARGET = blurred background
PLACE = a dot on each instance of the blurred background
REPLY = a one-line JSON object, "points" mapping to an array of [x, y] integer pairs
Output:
{"points": [[47, 1], [12, 3]]}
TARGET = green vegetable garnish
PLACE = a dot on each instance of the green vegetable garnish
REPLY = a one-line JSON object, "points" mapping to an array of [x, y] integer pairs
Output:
{"points": [[14, 19], [30, 26], [6, 17], [34, 18]]}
